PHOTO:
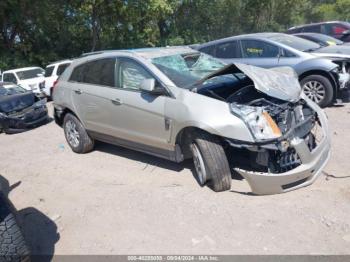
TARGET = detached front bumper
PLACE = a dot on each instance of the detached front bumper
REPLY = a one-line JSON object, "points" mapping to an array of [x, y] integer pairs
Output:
{"points": [[312, 163]]}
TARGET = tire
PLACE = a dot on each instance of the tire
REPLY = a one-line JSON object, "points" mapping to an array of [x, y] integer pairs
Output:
{"points": [[76, 135], [317, 83], [209, 157], [12, 244]]}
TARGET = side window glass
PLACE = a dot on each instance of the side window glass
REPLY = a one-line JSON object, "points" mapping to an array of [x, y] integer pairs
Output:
{"points": [[61, 68], [228, 50], [313, 29], [131, 74], [98, 72], [338, 29], [208, 50], [287, 53], [48, 71], [259, 49], [77, 73], [9, 77]]}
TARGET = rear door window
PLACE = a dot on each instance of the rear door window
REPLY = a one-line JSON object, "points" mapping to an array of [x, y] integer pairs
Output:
{"points": [[259, 49], [228, 50], [61, 68], [97, 72]]}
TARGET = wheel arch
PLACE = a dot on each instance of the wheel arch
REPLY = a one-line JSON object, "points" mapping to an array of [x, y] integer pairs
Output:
{"points": [[59, 115], [326, 74], [185, 136]]}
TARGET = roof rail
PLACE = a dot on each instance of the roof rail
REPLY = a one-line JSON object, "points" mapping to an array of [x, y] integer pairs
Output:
{"points": [[95, 53]]}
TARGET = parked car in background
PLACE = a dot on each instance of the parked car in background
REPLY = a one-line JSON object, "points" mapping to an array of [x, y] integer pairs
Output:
{"points": [[321, 39], [320, 78], [337, 29], [30, 78], [52, 72], [178, 103], [20, 109]]}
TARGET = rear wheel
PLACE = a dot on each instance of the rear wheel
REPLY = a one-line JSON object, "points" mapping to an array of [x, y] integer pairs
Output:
{"points": [[210, 162], [319, 89], [76, 135]]}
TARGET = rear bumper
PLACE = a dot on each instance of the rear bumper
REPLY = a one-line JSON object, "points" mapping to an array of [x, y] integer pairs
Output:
{"points": [[312, 163]]}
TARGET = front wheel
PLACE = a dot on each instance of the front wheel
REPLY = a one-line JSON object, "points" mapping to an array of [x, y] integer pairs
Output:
{"points": [[210, 162], [319, 89]]}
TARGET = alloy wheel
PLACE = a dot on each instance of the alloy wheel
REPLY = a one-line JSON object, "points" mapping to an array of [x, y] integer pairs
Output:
{"points": [[72, 134], [315, 90], [199, 164]]}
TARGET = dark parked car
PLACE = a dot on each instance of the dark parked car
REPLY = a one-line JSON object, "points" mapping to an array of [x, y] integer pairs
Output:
{"points": [[319, 77], [20, 109], [337, 29], [322, 39]]}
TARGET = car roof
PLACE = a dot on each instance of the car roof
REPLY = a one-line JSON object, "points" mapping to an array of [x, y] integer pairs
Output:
{"points": [[66, 61], [21, 69], [253, 35], [6, 83], [147, 53], [318, 23]]}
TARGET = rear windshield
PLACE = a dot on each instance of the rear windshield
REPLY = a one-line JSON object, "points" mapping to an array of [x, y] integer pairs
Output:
{"points": [[28, 74], [11, 89], [295, 42]]}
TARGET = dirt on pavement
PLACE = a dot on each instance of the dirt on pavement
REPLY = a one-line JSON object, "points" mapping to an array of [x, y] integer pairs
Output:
{"points": [[118, 201]]}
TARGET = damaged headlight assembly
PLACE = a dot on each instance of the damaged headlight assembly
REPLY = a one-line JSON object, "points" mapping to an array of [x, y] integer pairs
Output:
{"points": [[259, 122]]}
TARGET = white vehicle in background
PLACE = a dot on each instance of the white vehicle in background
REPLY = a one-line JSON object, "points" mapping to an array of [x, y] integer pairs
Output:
{"points": [[52, 72], [30, 78]]}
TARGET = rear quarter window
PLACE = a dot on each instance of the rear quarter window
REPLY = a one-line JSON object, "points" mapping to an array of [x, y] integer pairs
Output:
{"points": [[61, 68], [49, 71]]}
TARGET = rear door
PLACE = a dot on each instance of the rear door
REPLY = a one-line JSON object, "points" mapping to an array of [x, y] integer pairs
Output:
{"points": [[260, 53]]}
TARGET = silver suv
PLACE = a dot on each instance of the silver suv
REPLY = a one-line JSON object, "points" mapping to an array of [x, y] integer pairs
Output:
{"points": [[177, 103]]}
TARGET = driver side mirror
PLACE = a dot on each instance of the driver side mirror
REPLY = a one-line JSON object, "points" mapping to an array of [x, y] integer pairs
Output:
{"points": [[149, 85]]}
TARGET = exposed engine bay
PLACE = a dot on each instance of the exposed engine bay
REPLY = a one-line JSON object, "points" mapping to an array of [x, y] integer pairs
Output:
{"points": [[273, 122]]}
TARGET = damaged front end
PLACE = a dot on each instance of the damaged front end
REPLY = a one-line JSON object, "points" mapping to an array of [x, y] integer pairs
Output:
{"points": [[291, 137], [21, 112]]}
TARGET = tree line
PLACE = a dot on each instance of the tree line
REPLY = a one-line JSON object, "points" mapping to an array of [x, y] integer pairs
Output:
{"points": [[36, 32]]}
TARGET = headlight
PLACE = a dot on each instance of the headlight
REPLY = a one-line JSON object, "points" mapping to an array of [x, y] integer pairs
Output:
{"points": [[258, 121]]}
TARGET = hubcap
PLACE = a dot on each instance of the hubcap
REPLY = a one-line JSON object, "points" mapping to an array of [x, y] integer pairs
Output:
{"points": [[72, 133], [199, 164], [315, 91]]}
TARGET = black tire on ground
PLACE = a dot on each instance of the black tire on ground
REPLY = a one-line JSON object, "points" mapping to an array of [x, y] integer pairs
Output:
{"points": [[86, 143], [329, 91], [215, 161], [12, 244]]}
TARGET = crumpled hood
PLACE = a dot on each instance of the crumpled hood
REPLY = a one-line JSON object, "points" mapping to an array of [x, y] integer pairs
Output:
{"points": [[16, 102], [278, 82]]}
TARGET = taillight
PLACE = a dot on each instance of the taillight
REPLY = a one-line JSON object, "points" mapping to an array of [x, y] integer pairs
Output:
{"points": [[53, 87]]}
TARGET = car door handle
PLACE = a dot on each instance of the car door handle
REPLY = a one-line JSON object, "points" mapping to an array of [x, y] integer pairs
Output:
{"points": [[116, 101], [78, 91]]}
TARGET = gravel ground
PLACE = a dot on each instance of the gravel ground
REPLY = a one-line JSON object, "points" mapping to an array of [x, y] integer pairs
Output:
{"points": [[117, 201]]}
